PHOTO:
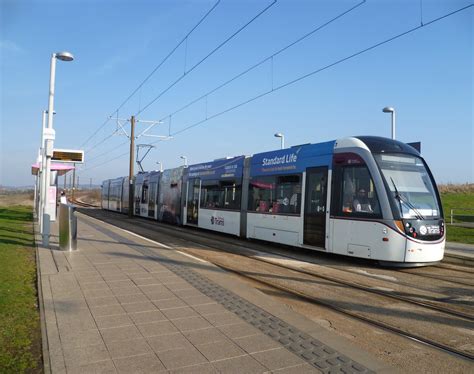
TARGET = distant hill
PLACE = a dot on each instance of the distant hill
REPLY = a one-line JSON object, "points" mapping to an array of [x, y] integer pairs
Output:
{"points": [[4, 189]]}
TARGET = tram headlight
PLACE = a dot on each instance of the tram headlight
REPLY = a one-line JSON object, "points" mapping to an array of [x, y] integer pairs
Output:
{"points": [[399, 225]]}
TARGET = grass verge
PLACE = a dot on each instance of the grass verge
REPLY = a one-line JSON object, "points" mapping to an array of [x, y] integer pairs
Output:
{"points": [[457, 201], [20, 334]]}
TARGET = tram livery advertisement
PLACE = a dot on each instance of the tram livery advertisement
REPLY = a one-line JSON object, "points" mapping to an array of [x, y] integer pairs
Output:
{"points": [[365, 196]]}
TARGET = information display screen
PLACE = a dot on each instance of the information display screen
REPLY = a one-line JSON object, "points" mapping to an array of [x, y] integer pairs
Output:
{"points": [[68, 155]]}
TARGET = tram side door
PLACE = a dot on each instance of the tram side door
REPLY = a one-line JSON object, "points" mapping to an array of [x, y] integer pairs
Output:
{"points": [[194, 185], [152, 199], [315, 206]]}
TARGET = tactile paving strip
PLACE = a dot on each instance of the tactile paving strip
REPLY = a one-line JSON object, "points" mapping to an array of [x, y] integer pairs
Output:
{"points": [[319, 355]]}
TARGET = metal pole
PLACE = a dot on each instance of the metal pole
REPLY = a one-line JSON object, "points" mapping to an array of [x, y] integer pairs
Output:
{"points": [[35, 196], [131, 172], [73, 180], [393, 125], [282, 142], [78, 187], [42, 184], [49, 144]]}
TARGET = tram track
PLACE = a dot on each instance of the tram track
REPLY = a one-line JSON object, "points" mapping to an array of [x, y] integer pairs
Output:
{"points": [[256, 250], [259, 247], [345, 312], [213, 244], [82, 203], [440, 278], [454, 268]]}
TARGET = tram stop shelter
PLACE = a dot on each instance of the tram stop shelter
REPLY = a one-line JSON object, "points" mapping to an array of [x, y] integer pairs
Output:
{"points": [[57, 170], [61, 169]]}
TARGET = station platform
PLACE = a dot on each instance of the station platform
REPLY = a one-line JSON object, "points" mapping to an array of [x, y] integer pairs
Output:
{"points": [[123, 303], [459, 253]]}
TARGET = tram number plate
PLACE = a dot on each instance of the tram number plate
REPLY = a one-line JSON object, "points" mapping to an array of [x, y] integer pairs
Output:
{"points": [[433, 230]]}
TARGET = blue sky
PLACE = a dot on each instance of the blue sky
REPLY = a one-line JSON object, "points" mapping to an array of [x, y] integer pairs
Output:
{"points": [[426, 75]]}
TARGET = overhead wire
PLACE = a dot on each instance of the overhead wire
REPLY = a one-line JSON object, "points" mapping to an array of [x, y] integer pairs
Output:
{"points": [[305, 76], [268, 58], [228, 39], [100, 142], [109, 151], [153, 71], [185, 38], [316, 71], [105, 162], [96, 131]]}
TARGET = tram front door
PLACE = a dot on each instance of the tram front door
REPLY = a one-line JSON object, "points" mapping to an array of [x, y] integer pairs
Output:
{"points": [[315, 206], [192, 203]]}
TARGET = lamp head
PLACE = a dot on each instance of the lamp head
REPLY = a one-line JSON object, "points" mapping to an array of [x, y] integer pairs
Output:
{"points": [[64, 56], [278, 135], [388, 109]]}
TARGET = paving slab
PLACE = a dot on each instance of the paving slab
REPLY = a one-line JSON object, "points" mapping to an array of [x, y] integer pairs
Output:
{"points": [[121, 303]]}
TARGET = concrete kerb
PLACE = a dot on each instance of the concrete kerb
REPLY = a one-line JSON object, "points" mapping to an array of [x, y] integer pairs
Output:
{"points": [[44, 335], [459, 254]]}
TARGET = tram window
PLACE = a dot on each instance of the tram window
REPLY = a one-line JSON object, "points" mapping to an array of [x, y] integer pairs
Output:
{"points": [[145, 193], [275, 194], [217, 194], [152, 193], [138, 192], [358, 195]]}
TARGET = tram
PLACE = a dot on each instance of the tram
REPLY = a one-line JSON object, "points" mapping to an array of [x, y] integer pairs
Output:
{"points": [[364, 196]]}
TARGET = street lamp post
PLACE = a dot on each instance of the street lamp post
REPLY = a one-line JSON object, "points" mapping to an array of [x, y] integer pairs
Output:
{"points": [[282, 137], [161, 165], [185, 160], [391, 110], [41, 174], [49, 142], [42, 184]]}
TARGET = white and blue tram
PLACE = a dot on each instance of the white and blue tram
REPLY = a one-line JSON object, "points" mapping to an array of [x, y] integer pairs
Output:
{"points": [[367, 197]]}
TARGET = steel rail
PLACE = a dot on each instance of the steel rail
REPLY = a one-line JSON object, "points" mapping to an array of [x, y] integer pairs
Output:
{"points": [[382, 325], [218, 245], [312, 299]]}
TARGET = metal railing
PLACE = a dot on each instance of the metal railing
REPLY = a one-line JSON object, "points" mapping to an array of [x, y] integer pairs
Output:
{"points": [[462, 218]]}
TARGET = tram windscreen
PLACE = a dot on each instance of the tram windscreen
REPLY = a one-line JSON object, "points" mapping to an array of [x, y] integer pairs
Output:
{"points": [[410, 184]]}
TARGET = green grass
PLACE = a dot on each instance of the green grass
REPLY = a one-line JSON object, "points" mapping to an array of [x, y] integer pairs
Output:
{"points": [[20, 334], [459, 200]]}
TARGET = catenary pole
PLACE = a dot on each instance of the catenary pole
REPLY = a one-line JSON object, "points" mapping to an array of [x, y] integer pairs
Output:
{"points": [[131, 172]]}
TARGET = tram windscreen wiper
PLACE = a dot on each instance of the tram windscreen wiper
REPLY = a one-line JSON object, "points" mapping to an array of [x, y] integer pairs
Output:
{"points": [[401, 200]]}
